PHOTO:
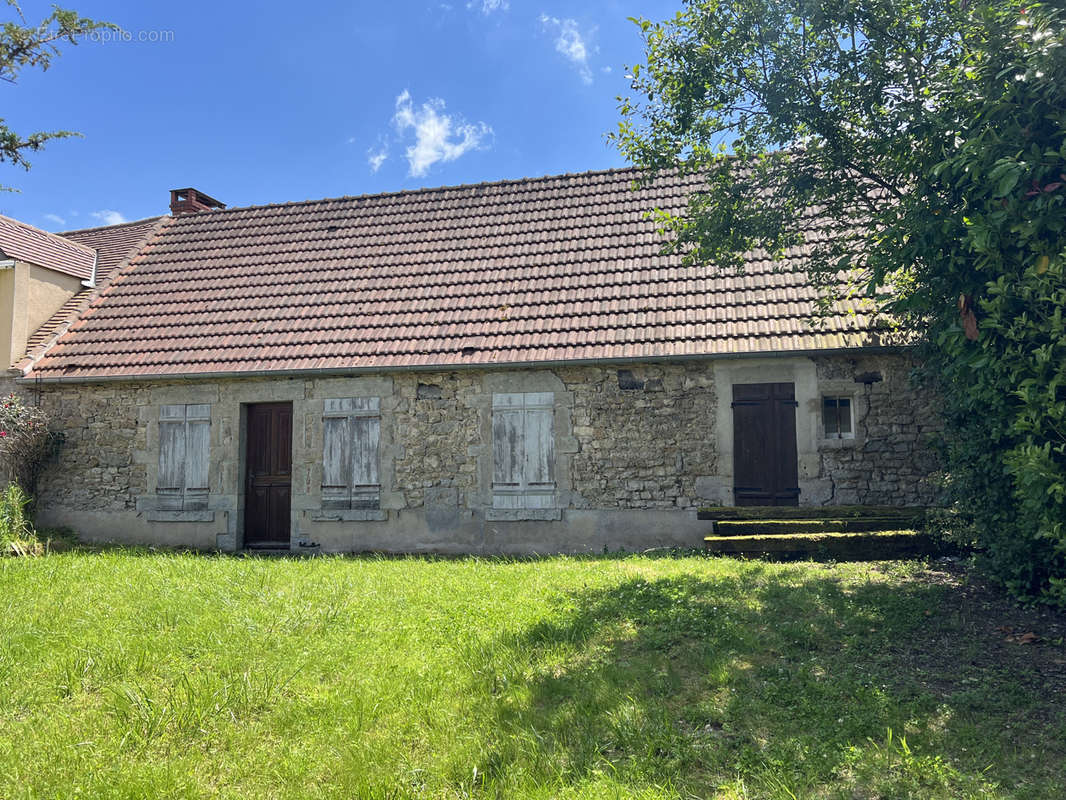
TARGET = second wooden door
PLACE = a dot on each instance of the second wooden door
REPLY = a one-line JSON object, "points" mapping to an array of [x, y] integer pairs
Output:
{"points": [[765, 463]]}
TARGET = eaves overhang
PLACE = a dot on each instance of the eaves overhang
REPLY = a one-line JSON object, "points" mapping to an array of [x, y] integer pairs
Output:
{"points": [[31, 379]]}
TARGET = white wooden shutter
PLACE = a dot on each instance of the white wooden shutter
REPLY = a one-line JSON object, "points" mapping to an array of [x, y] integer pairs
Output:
{"points": [[523, 450], [507, 450], [197, 456], [366, 438], [170, 482], [539, 463], [336, 456], [184, 457], [350, 442]]}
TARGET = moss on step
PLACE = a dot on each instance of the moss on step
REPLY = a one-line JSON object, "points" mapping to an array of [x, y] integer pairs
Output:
{"points": [[755, 527], [806, 512], [866, 546]]}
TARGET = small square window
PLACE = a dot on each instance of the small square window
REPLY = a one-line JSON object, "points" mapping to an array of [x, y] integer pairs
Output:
{"points": [[836, 416]]}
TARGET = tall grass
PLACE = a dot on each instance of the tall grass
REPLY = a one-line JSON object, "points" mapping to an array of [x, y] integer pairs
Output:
{"points": [[17, 536]]}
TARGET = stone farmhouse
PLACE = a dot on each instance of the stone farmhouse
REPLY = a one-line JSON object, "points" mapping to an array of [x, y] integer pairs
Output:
{"points": [[501, 367]]}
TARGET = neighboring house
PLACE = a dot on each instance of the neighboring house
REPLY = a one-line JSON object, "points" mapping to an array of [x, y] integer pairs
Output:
{"points": [[501, 367]]}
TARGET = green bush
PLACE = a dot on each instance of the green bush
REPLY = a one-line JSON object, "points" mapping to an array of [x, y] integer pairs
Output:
{"points": [[26, 443], [1004, 384]]}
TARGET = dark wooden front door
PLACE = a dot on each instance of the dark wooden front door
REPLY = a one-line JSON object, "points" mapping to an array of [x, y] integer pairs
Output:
{"points": [[269, 475], [765, 464]]}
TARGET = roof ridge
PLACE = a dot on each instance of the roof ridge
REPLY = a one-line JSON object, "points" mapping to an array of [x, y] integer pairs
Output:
{"points": [[423, 190], [64, 234]]}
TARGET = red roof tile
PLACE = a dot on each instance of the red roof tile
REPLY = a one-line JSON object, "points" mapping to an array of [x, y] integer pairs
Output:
{"points": [[114, 245], [541, 270]]}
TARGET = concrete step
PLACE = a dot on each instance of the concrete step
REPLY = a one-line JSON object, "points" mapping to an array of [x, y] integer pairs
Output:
{"points": [[806, 512], [762, 527], [837, 546], [282, 552]]}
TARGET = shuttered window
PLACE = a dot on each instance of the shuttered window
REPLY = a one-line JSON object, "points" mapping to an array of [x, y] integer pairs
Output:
{"points": [[184, 455], [350, 439], [523, 450]]}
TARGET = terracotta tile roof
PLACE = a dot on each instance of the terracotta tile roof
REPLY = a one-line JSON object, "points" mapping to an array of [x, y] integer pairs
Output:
{"points": [[539, 270], [24, 242], [115, 245]]}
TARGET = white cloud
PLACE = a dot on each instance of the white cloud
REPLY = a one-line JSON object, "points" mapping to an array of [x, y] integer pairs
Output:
{"points": [[55, 218], [488, 6], [375, 158], [438, 136], [108, 217], [570, 42]]}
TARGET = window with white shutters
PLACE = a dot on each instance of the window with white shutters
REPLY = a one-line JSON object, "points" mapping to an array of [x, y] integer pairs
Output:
{"points": [[523, 450], [350, 439], [184, 455]]}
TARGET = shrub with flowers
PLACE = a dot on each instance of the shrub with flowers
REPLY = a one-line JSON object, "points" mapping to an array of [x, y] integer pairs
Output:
{"points": [[26, 443]]}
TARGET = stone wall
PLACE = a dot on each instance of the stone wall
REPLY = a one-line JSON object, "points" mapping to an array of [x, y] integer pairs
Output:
{"points": [[436, 427], [646, 434], [639, 448], [891, 461], [101, 430]]}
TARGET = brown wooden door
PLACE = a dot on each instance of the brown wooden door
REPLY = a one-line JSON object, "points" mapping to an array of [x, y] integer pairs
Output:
{"points": [[269, 475], [765, 463]]}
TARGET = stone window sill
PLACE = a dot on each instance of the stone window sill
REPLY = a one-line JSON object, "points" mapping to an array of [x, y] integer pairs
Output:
{"points": [[180, 516], [520, 514], [354, 515], [839, 444]]}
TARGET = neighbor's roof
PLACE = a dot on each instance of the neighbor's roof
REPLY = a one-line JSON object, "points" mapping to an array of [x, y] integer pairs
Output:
{"points": [[24, 242], [115, 245], [517, 272]]}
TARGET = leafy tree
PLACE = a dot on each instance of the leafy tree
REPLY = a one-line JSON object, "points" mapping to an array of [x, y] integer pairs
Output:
{"points": [[23, 45], [930, 137]]}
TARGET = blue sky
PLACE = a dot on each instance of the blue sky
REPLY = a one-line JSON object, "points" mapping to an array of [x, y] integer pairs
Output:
{"points": [[274, 102]]}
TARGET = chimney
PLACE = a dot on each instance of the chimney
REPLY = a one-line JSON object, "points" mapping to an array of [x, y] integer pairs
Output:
{"points": [[189, 201]]}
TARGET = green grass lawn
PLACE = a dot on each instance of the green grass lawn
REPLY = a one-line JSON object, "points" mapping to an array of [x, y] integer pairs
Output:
{"points": [[137, 674]]}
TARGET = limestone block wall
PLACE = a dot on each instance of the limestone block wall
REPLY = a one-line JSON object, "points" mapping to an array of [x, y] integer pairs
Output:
{"points": [[96, 470], [891, 460], [436, 426], [638, 448], [646, 434]]}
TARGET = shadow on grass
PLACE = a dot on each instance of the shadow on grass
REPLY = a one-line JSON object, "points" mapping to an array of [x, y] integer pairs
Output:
{"points": [[776, 681]]}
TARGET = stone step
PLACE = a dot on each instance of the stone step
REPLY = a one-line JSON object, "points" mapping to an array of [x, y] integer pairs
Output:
{"points": [[806, 512], [760, 527], [282, 552], [858, 546]]}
